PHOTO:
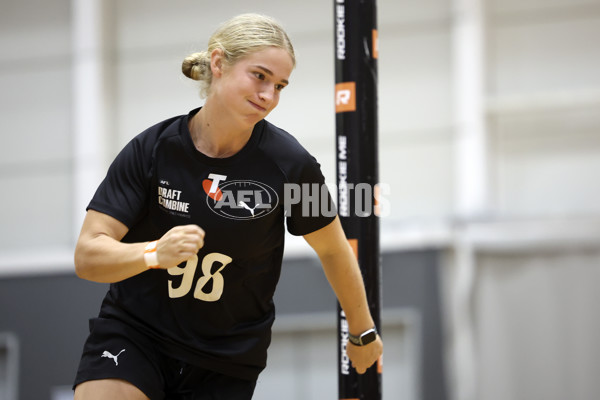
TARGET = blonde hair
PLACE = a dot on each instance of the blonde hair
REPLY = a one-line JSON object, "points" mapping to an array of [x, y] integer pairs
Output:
{"points": [[238, 37]]}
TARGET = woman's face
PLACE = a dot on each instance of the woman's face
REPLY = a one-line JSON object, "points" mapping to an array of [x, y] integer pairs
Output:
{"points": [[251, 87]]}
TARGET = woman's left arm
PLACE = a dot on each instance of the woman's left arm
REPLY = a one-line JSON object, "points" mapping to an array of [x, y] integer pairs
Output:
{"points": [[343, 273]]}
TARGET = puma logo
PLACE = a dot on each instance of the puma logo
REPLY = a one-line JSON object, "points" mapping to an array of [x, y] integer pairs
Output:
{"points": [[244, 205], [108, 355]]}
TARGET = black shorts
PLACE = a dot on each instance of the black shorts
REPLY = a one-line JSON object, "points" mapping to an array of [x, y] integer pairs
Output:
{"points": [[116, 350]]}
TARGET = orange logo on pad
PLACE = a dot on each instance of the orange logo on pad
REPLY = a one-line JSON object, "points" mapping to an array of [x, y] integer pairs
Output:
{"points": [[345, 97]]}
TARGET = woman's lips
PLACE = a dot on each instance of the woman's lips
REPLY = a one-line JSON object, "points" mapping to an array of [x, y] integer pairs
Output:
{"points": [[262, 109]]}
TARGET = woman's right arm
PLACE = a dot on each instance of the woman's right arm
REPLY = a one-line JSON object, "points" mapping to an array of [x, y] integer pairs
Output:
{"points": [[100, 256]]}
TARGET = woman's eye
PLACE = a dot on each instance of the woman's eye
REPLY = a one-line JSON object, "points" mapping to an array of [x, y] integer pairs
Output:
{"points": [[279, 87], [259, 75]]}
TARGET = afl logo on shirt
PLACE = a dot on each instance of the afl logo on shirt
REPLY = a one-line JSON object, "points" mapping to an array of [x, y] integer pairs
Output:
{"points": [[239, 199]]}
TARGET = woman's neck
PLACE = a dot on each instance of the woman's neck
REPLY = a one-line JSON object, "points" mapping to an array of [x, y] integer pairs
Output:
{"points": [[215, 135]]}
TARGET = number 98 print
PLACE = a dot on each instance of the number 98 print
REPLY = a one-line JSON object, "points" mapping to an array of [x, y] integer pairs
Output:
{"points": [[187, 279]]}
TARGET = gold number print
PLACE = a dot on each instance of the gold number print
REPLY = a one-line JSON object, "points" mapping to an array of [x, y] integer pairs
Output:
{"points": [[187, 280], [217, 278], [188, 272]]}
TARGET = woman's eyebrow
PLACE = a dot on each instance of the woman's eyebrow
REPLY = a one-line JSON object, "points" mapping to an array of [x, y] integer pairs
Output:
{"points": [[270, 73]]}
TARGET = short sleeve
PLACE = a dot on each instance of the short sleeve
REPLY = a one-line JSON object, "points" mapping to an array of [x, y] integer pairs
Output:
{"points": [[123, 194], [309, 206]]}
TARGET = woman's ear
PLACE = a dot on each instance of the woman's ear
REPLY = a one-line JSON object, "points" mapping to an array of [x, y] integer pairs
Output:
{"points": [[217, 58]]}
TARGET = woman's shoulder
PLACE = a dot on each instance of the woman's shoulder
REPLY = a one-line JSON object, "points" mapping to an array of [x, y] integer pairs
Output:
{"points": [[164, 128], [278, 141], [288, 154], [147, 140]]}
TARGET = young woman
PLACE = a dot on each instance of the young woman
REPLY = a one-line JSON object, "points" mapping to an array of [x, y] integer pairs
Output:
{"points": [[188, 227]]}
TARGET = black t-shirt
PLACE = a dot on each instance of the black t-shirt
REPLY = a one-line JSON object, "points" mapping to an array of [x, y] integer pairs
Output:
{"points": [[216, 309]]}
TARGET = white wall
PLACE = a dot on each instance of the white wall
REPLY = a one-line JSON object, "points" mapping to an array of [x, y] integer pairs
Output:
{"points": [[544, 92], [35, 156], [148, 40]]}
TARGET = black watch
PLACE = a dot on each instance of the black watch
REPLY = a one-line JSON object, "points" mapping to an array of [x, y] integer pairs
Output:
{"points": [[364, 338]]}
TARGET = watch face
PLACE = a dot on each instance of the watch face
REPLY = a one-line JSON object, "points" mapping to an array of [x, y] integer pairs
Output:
{"points": [[369, 337]]}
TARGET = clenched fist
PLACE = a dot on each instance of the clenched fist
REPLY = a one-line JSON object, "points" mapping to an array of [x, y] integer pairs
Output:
{"points": [[179, 244], [363, 357]]}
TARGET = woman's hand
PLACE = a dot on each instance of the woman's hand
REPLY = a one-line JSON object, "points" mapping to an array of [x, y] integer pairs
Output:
{"points": [[362, 357], [178, 245]]}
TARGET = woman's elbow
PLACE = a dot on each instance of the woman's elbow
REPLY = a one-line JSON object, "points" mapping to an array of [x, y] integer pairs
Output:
{"points": [[82, 268]]}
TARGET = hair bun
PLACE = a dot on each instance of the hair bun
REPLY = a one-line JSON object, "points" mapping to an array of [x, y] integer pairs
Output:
{"points": [[196, 65]]}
